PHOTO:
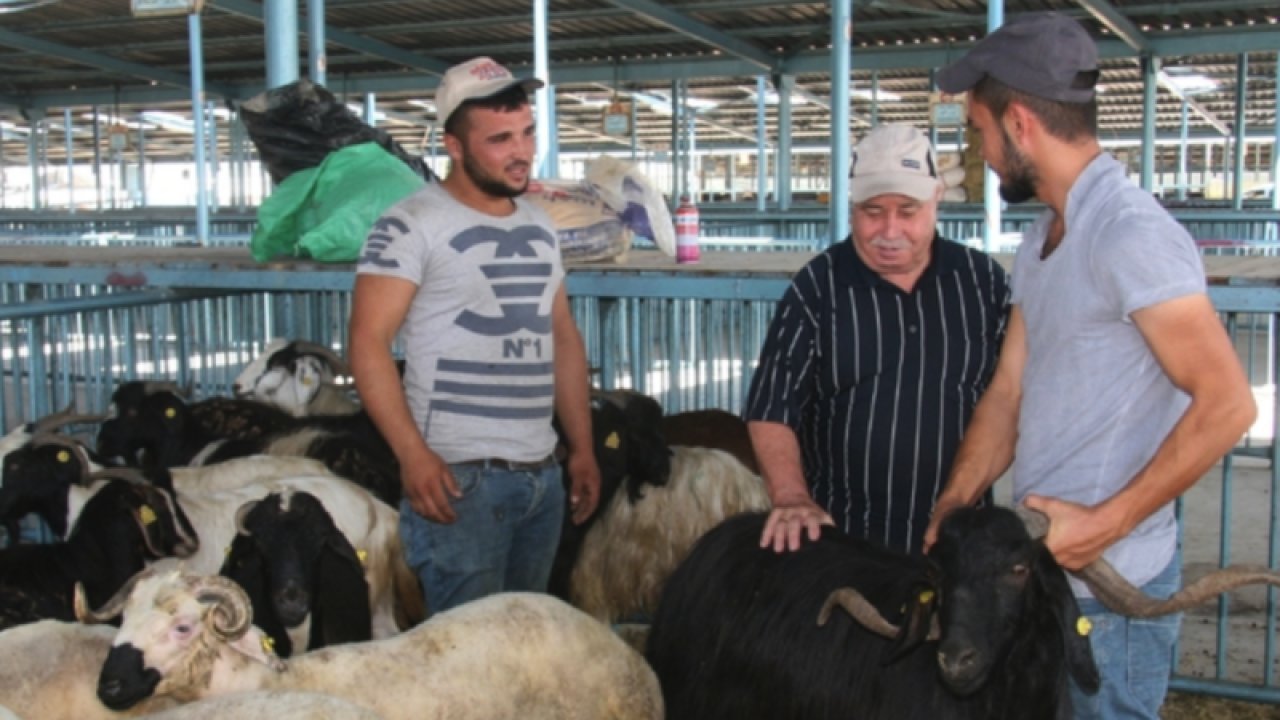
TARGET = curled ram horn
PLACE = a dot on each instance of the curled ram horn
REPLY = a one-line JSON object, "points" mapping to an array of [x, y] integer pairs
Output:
{"points": [[339, 366], [128, 474], [1123, 597], [866, 614], [112, 608], [231, 614], [859, 609], [62, 418]]}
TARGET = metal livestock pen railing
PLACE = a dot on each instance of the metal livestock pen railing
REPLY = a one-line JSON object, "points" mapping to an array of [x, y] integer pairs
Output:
{"points": [[690, 341], [1216, 226]]}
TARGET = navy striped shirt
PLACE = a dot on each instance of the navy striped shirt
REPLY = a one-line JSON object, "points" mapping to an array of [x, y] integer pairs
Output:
{"points": [[878, 383]]}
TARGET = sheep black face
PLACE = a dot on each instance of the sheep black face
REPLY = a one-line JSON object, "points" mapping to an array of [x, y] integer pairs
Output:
{"points": [[36, 479], [142, 420], [296, 565], [1004, 600]]}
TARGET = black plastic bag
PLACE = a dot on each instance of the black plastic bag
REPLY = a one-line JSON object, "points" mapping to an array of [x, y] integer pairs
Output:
{"points": [[295, 126]]}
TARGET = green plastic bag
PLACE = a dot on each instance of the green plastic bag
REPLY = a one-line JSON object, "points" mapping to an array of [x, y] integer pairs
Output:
{"points": [[325, 212]]}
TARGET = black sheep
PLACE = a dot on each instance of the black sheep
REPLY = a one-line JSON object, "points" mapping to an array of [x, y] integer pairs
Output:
{"points": [[737, 632], [296, 566]]}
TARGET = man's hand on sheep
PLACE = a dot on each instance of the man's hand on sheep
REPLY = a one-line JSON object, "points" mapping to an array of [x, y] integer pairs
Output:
{"points": [[584, 485], [428, 485]]}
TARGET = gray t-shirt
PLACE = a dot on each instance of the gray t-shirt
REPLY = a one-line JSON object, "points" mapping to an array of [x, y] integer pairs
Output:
{"points": [[478, 345], [1095, 402]]}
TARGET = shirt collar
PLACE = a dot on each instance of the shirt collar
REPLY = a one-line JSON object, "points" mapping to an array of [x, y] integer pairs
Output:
{"points": [[944, 259], [1093, 175]]}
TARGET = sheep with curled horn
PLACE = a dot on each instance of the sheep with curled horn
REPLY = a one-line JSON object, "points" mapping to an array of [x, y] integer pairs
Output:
{"points": [[21, 435], [985, 627], [509, 655]]}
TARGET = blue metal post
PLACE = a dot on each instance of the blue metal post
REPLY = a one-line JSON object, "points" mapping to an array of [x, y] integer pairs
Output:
{"points": [[371, 109], [71, 162], [317, 61], [841, 16], [97, 160], [545, 122], [786, 86], [212, 158], [1182, 152], [142, 166], [991, 225], [1150, 66], [33, 158], [280, 21], [1275, 150], [196, 42], [875, 98], [933, 129], [1237, 175], [677, 136], [762, 160], [634, 137]]}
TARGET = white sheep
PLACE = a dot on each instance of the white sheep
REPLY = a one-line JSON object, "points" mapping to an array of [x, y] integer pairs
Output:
{"points": [[49, 671], [274, 704], [509, 655], [628, 554], [298, 377]]}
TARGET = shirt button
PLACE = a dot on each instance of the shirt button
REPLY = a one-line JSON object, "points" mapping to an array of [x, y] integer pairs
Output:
{"points": [[911, 329]]}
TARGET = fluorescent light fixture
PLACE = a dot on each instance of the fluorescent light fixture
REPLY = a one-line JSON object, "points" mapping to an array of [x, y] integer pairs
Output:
{"points": [[168, 120], [427, 105], [882, 95], [1191, 82], [771, 96], [587, 101], [359, 112]]}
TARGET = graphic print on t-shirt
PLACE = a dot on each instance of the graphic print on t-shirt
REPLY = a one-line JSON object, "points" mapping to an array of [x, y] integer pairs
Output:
{"points": [[520, 386]]}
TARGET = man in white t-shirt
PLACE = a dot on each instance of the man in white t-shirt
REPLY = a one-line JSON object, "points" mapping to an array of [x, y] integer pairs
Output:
{"points": [[469, 274]]}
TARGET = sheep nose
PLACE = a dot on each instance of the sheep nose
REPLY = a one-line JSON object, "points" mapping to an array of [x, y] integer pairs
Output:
{"points": [[110, 687], [959, 664]]}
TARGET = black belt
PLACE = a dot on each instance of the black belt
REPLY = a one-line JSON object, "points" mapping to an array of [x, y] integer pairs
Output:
{"points": [[510, 465]]}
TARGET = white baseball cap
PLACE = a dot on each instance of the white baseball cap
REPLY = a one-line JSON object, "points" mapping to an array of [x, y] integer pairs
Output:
{"points": [[893, 158], [475, 79]]}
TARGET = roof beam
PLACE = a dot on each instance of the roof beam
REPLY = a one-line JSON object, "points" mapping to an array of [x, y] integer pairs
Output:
{"points": [[349, 40], [1118, 23], [699, 31], [1167, 83], [98, 60], [597, 134]]}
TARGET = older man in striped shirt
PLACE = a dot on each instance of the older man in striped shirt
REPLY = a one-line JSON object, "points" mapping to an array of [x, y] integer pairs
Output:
{"points": [[876, 357]]}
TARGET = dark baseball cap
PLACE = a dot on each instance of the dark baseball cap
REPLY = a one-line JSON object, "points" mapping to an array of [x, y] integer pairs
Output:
{"points": [[1048, 55]]}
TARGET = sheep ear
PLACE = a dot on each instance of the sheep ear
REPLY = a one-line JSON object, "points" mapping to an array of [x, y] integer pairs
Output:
{"points": [[340, 610], [1057, 594], [258, 647], [918, 621]]}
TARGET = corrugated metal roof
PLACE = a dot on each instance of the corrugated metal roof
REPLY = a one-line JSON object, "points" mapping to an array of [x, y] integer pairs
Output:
{"points": [[597, 48]]}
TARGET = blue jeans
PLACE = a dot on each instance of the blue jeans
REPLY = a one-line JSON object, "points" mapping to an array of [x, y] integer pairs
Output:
{"points": [[504, 538], [1134, 656]]}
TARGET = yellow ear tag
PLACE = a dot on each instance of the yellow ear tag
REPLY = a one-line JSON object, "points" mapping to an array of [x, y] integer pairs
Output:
{"points": [[613, 441], [147, 515], [308, 381], [926, 596], [170, 413], [1083, 626], [268, 644], [364, 556], [226, 551], [64, 456]]}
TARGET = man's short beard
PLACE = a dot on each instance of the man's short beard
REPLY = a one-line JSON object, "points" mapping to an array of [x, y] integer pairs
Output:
{"points": [[487, 184], [1018, 181]]}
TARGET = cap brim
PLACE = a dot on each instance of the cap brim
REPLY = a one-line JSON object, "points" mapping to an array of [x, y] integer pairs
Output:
{"points": [[959, 76], [912, 185]]}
